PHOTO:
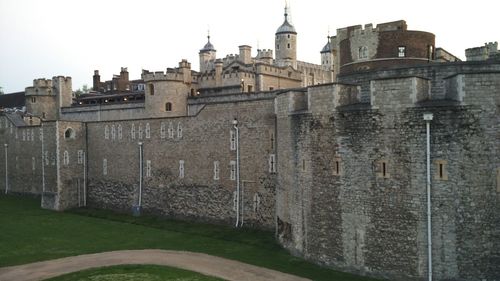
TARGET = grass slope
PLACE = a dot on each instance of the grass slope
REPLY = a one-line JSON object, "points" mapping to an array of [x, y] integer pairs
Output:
{"points": [[134, 273], [29, 234]]}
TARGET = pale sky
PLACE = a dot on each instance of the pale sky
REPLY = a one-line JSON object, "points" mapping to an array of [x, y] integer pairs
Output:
{"points": [[46, 38]]}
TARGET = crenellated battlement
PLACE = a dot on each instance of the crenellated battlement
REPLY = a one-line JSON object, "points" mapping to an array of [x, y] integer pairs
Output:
{"points": [[42, 83], [489, 49]]}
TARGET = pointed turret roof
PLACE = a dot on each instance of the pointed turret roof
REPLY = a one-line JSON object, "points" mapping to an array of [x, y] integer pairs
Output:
{"points": [[286, 27], [327, 48], [208, 47]]}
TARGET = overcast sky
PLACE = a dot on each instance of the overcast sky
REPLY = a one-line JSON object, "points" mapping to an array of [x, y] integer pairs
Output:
{"points": [[46, 38]]}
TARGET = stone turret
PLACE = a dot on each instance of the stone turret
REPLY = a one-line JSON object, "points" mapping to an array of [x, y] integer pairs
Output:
{"points": [[207, 56], [286, 43]]}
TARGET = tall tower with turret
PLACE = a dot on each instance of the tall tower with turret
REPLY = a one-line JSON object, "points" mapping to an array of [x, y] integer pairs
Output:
{"points": [[207, 56], [328, 57], [286, 43]]}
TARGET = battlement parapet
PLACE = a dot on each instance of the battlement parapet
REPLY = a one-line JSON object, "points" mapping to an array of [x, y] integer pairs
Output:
{"points": [[169, 75], [42, 83], [264, 54], [482, 53]]}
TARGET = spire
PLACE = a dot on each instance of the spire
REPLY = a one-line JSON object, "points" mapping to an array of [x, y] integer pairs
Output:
{"points": [[327, 48], [208, 47], [286, 10], [286, 27]]}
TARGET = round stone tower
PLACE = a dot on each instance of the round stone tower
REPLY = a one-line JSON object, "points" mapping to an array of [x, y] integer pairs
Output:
{"points": [[207, 56], [286, 43]]}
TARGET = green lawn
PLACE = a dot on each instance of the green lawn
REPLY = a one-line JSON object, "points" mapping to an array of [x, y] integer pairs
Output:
{"points": [[29, 234], [134, 273]]}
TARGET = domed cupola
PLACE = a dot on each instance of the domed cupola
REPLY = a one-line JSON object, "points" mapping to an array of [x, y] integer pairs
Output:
{"points": [[286, 27], [208, 47], [207, 56], [327, 48]]}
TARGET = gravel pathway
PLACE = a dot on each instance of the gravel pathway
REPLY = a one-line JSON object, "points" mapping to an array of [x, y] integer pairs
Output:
{"points": [[202, 263]]}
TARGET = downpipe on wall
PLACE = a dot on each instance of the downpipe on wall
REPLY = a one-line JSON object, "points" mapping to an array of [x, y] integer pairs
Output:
{"points": [[235, 126], [137, 209], [6, 168], [428, 118], [43, 165]]}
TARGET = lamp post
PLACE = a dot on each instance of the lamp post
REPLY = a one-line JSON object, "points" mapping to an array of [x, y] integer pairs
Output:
{"points": [[235, 126], [428, 118], [6, 169], [137, 209]]}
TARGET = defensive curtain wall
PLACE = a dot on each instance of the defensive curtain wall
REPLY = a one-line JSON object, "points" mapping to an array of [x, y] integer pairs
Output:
{"points": [[351, 189], [338, 169]]}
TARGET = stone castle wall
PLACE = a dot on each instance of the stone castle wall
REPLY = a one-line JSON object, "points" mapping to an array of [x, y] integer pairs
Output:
{"points": [[338, 169], [197, 142], [351, 190]]}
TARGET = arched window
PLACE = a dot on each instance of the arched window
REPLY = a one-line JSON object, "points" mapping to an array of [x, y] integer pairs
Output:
{"points": [[363, 52], [151, 89], [69, 134], [168, 106]]}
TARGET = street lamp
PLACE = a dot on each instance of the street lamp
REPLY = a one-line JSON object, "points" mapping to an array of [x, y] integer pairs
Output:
{"points": [[6, 169], [428, 118]]}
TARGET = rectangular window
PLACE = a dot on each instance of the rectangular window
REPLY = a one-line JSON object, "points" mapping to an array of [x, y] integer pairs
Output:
{"points": [[104, 167], [33, 163], [256, 202], [24, 135], [132, 132], [232, 165], [170, 130], [162, 131], [32, 135], [148, 131], [106, 132], [113, 132], [441, 170], [120, 133], [80, 156], [46, 157], [179, 130], [401, 51], [272, 163], [148, 168], [140, 131], [66, 158], [181, 169], [232, 136], [271, 137], [382, 169], [216, 170], [235, 200], [336, 166], [498, 180]]}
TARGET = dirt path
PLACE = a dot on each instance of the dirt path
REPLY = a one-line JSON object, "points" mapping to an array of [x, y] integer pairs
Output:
{"points": [[202, 263]]}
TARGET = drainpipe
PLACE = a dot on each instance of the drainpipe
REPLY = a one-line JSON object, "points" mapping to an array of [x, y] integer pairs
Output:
{"points": [[428, 118], [6, 169], [140, 173], [43, 160], [235, 126], [84, 179]]}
